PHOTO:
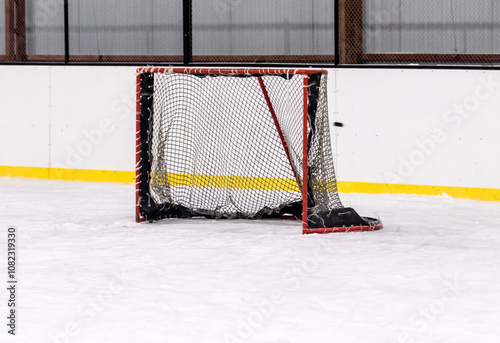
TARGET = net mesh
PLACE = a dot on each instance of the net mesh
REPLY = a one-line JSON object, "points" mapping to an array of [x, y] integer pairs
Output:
{"points": [[215, 149]]}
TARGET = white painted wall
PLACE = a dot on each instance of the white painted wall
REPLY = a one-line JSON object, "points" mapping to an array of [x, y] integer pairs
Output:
{"points": [[68, 117], [423, 127], [428, 127]]}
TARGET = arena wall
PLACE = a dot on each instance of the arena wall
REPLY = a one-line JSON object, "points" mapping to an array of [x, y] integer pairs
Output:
{"points": [[405, 131]]}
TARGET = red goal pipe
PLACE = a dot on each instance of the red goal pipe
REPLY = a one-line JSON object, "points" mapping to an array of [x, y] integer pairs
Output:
{"points": [[278, 127], [194, 70], [344, 229], [304, 155], [138, 148]]}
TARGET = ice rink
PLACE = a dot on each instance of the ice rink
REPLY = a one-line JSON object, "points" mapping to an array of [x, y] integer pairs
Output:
{"points": [[88, 273]]}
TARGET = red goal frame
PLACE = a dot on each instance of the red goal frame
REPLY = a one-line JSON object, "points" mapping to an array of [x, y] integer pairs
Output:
{"points": [[249, 71]]}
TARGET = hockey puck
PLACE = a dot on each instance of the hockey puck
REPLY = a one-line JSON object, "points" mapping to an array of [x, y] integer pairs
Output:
{"points": [[338, 124]]}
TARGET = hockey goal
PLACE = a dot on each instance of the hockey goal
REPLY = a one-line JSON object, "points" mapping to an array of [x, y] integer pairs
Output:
{"points": [[238, 143]]}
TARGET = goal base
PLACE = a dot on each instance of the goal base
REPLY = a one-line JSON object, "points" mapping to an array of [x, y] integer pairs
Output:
{"points": [[340, 220], [376, 225]]}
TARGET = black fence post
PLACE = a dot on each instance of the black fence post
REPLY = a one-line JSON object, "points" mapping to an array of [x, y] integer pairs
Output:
{"points": [[188, 31], [336, 34], [66, 31]]}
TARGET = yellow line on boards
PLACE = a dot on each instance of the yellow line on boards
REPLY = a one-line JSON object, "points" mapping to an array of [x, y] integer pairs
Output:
{"points": [[68, 174], [488, 194], [242, 182], [224, 181]]}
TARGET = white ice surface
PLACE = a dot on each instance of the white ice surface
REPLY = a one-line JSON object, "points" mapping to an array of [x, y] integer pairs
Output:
{"points": [[88, 273]]}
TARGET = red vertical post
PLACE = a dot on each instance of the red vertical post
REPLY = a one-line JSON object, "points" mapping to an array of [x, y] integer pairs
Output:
{"points": [[137, 146], [278, 128], [350, 31], [21, 30], [10, 27], [304, 154], [15, 30]]}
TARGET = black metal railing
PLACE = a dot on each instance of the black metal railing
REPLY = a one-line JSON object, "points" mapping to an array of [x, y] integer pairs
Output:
{"points": [[390, 33]]}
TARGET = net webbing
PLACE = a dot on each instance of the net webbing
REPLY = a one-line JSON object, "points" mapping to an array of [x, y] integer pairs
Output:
{"points": [[215, 150]]}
